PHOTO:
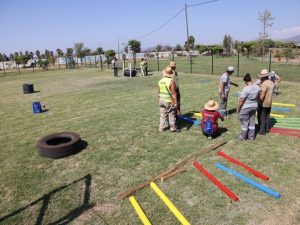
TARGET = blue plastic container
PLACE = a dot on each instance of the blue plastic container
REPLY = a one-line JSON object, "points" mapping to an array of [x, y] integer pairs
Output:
{"points": [[36, 107]]}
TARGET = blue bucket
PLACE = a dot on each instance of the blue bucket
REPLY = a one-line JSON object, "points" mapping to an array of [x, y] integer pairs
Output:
{"points": [[36, 107]]}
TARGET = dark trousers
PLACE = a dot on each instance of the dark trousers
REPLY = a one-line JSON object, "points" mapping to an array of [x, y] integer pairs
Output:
{"points": [[115, 72], [146, 70], [263, 116], [178, 99]]}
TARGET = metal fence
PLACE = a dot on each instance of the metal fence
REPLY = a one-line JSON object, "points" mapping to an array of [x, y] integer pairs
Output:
{"points": [[211, 64], [217, 64]]}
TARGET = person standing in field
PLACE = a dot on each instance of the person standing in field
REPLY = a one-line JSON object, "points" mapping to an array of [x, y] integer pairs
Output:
{"points": [[225, 88], [265, 102], [175, 78], [114, 63], [142, 66], [247, 107], [146, 66], [276, 81], [167, 101]]}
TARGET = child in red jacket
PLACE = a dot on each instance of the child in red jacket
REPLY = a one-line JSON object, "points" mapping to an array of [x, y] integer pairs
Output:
{"points": [[210, 118]]}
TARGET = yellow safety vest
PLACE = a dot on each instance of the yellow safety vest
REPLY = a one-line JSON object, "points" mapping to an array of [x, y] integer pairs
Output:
{"points": [[164, 89]]}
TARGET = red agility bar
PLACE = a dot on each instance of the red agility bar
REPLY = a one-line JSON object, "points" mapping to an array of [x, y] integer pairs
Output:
{"points": [[216, 182], [256, 173], [293, 134], [285, 130]]}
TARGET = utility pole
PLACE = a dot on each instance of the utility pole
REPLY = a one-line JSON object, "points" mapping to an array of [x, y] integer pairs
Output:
{"points": [[187, 35], [118, 49]]}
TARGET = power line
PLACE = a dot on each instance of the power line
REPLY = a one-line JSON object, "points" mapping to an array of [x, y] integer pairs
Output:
{"points": [[161, 26], [169, 20], [203, 3]]}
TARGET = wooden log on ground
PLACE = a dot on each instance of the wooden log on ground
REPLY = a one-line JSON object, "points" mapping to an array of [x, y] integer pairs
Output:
{"points": [[181, 170], [178, 165]]}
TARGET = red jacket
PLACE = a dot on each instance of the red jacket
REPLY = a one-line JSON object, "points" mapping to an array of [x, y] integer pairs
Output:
{"points": [[213, 115]]}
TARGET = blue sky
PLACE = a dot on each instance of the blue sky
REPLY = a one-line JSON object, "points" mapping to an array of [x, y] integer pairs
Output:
{"points": [[41, 24]]}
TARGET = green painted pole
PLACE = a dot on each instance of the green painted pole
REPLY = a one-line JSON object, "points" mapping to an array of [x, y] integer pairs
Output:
{"points": [[287, 123], [287, 126], [270, 61], [157, 63], [286, 119], [212, 63], [173, 57], [238, 65]]}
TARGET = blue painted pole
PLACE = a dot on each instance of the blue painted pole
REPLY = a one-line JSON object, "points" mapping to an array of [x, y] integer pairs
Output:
{"points": [[189, 120], [249, 181], [280, 109]]}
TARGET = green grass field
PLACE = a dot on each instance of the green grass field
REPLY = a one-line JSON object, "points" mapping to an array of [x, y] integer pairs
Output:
{"points": [[118, 118]]}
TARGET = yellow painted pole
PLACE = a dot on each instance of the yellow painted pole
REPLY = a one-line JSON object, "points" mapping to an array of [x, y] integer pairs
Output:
{"points": [[139, 210], [198, 114], [283, 104], [170, 205], [277, 115]]}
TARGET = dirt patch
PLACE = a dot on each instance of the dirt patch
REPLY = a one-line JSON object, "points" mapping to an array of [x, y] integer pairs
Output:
{"points": [[107, 208]]}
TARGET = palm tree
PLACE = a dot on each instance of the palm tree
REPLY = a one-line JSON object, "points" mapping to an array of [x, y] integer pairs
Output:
{"points": [[38, 54]]}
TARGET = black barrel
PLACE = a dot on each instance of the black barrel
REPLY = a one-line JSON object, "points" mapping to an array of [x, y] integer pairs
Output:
{"points": [[127, 73], [28, 88]]}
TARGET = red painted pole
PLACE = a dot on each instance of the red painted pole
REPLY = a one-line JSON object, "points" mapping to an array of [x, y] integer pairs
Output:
{"points": [[285, 129], [216, 182], [293, 134], [256, 173]]}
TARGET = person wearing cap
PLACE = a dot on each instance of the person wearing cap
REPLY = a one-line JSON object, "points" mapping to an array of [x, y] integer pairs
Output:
{"points": [[225, 88], [265, 102], [114, 63], [175, 78], [210, 113], [142, 65], [276, 80], [247, 107], [167, 101]]}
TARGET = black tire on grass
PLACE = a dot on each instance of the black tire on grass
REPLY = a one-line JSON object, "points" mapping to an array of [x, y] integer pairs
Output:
{"points": [[59, 145]]}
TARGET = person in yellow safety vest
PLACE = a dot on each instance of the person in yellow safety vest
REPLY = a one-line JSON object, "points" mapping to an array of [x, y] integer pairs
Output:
{"points": [[142, 65], [175, 78], [167, 101]]}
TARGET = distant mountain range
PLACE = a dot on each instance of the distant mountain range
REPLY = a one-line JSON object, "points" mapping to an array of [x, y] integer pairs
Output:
{"points": [[295, 39]]}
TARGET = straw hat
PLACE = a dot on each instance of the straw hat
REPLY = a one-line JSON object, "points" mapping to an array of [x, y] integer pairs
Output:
{"points": [[211, 105], [172, 64], [263, 73], [168, 72]]}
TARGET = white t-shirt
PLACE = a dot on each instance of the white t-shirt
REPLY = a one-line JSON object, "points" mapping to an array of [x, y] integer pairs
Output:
{"points": [[225, 78], [250, 94]]}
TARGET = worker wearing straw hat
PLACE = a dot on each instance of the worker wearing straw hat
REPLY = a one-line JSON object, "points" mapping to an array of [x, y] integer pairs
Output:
{"points": [[265, 102], [175, 78], [247, 107], [167, 101], [142, 65], [225, 88], [210, 114]]}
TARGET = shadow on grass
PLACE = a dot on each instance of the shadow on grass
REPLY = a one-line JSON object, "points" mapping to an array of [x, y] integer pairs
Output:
{"points": [[231, 111], [46, 199]]}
